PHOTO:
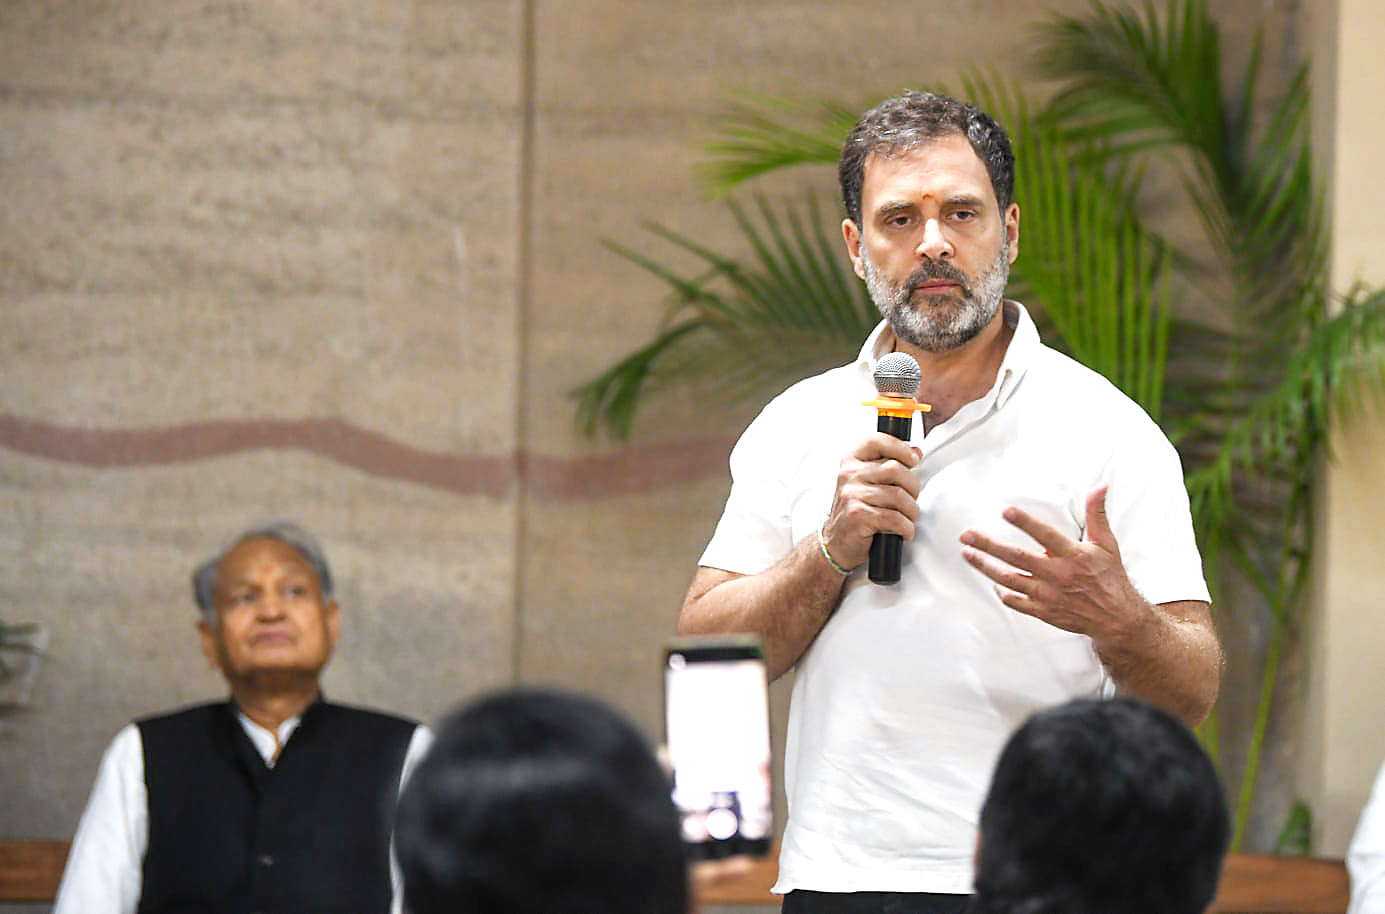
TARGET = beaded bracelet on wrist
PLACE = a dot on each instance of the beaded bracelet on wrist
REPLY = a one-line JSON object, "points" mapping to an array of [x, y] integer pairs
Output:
{"points": [[822, 545]]}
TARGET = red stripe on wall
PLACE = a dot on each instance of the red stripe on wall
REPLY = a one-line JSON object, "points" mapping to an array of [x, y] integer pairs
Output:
{"points": [[629, 471]]}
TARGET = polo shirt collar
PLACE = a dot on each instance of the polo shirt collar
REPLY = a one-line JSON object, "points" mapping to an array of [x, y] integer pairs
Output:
{"points": [[1019, 355]]}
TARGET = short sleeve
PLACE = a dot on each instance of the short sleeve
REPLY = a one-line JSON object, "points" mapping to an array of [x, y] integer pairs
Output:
{"points": [[1147, 504], [755, 530]]}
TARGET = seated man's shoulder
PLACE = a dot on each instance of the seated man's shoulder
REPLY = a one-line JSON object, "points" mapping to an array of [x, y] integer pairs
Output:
{"points": [[366, 732], [184, 716], [369, 717], [359, 725]]}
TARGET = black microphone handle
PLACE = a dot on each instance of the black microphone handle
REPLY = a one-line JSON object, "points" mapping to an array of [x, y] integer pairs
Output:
{"points": [[887, 549]]}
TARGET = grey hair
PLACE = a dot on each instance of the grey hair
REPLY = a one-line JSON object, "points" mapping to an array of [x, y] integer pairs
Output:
{"points": [[286, 532]]}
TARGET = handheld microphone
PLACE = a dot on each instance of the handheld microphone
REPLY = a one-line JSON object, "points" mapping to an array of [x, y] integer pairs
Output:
{"points": [[897, 378]]}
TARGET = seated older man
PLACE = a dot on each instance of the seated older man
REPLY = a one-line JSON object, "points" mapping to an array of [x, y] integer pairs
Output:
{"points": [[275, 800]]}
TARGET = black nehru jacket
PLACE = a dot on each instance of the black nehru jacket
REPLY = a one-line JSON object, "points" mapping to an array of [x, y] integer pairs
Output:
{"points": [[229, 834]]}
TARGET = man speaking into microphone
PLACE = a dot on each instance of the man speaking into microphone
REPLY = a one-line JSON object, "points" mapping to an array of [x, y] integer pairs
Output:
{"points": [[1047, 546]]}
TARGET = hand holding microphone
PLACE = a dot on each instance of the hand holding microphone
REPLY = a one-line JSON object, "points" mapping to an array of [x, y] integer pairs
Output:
{"points": [[876, 500], [897, 379]]}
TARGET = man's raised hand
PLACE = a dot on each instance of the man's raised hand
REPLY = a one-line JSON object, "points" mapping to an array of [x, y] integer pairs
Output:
{"points": [[1079, 586]]}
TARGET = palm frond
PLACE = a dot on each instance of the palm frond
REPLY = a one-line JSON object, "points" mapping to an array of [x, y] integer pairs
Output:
{"points": [[791, 306], [611, 399], [1142, 78], [1339, 365], [17, 638], [1146, 82], [761, 134]]}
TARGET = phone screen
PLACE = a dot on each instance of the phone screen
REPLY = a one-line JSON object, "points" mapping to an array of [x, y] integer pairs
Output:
{"points": [[716, 712]]}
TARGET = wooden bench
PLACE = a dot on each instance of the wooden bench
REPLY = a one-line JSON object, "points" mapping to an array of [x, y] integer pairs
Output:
{"points": [[30, 870], [1255, 883], [1250, 884]]}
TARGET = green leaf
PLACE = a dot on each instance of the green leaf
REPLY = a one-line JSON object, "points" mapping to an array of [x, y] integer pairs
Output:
{"points": [[766, 133], [1296, 837], [16, 638], [739, 325]]}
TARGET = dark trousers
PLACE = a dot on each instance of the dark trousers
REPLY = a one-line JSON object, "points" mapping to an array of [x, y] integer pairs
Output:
{"points": [[801, 902]]}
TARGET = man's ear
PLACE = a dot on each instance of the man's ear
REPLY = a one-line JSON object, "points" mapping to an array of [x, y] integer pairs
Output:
{"points": [[206, 632], [331, 616], [851, 234], [1012, 229]]}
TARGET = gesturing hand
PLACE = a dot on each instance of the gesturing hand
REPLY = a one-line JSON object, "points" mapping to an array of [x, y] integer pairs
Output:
{"points": [[1077, 586]]}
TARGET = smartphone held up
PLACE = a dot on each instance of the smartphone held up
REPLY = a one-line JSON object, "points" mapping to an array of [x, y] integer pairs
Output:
{"points": [[716, 727]]}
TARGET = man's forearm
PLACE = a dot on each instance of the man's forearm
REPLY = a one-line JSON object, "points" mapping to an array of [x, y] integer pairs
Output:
{"points": [[1172, 658], [786, 605]]}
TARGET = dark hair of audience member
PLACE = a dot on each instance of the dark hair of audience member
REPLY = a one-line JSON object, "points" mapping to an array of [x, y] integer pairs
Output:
{"points": [[1101, 808], [538, 802]]}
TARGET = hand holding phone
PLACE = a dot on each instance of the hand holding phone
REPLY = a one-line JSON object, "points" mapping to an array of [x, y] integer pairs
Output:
{"points": [[716, 725]]}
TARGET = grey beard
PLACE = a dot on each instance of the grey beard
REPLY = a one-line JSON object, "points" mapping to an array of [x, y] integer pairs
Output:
{"points": [[938, 323]]}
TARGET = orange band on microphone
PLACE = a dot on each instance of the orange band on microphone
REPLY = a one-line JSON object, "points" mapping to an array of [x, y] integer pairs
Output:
{"points": [[900, 407]]}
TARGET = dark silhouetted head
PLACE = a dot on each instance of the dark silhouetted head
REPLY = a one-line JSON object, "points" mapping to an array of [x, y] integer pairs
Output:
{"points": [[538, 802], [1101, 807]]}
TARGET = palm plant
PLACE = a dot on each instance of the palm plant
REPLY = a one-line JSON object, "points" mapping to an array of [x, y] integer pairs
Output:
{"points": [[14, 639], [1251, 392], [735, 326], [21, 644], [1246, 373]]}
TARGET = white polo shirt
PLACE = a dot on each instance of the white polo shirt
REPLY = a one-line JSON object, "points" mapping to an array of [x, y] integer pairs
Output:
{"points": [[901, 705]]}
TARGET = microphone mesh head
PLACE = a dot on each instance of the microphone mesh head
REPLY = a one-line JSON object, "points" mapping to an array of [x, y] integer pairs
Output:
{"points": [[898, 375]]}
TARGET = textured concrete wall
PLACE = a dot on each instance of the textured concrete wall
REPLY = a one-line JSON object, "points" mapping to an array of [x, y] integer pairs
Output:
{"points": [[255, 259], [341, 261]]}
